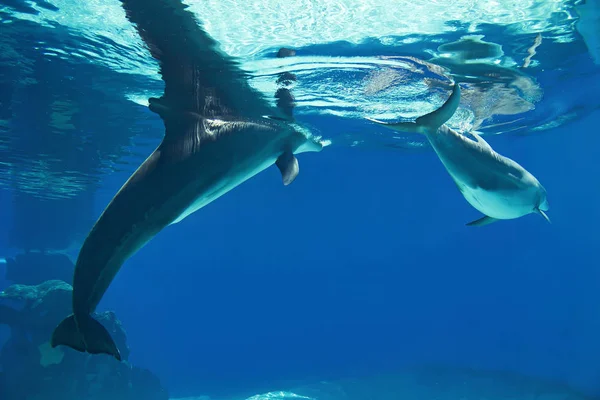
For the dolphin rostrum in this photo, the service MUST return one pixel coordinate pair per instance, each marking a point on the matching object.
(219, 132)
(493, 184)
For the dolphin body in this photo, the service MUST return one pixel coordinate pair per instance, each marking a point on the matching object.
(495, 185)
(219, 132)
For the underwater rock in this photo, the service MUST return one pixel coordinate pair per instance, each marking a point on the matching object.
(34, 268)
(36, 294)
(50, 355)
(32, 369)
(39, 309)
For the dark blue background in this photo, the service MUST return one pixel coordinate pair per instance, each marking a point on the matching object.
(364, 264)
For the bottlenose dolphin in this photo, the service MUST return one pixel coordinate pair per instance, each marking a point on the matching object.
(219, 132)
(493, 184)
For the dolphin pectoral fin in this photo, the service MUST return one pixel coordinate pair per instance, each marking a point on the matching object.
(84, 335)
(288, 166)
(543, 214)
(485, 220)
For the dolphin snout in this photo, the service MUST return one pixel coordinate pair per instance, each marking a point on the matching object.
(544, 205)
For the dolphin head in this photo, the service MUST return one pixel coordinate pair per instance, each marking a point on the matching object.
(542, 198)
(544, 205)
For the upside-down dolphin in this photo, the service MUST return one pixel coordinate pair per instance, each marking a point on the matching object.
(219, 132)
(493, 184)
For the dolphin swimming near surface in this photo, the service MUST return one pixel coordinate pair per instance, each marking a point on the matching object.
(219, 132)
(493, 184)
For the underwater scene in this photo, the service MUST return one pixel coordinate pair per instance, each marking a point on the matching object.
(299, 200)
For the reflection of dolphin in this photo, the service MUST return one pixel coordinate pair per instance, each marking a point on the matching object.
(493, 184)
(217, 136)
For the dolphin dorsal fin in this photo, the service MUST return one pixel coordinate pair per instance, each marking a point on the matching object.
(429, 122)
(432, 121)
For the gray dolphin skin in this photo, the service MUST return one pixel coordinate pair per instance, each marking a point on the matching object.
(493, 184)
(219, 132)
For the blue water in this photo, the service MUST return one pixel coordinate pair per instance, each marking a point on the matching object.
(362, 266)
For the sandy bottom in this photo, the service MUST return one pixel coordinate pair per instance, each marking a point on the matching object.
(425, 384)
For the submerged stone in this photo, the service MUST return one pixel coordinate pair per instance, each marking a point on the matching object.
(32, 369)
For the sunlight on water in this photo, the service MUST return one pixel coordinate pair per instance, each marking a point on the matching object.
(511, 59)
(396, 88)
(278, 395)
(304, 22)
(283, 395)
(336, 86)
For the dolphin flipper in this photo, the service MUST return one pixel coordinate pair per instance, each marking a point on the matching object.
(84, 335)
(288, 166)
(485, 220)
(543, 214)
(429, 122)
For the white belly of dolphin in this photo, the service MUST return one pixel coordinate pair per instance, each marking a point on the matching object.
(496, 205)
(227, 184)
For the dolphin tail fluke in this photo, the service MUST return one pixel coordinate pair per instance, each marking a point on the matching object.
(84, 335)
(67, 334)
(429, 122)
(543, 214)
